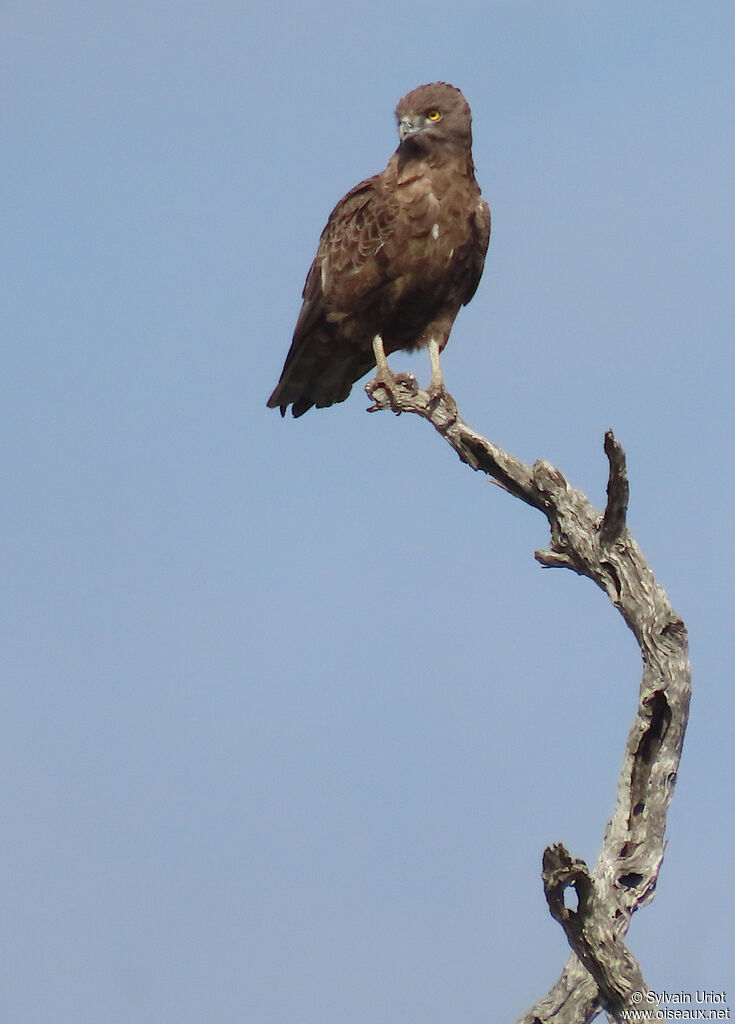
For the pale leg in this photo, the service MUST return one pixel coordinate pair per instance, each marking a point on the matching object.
(381, 363)
(436, 384)
(385, 378)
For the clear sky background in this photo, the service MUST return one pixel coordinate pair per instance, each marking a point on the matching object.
(289, 711)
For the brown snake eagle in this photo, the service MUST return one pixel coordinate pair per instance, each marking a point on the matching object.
(401, 253)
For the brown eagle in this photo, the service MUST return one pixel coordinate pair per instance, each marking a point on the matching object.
(401, 252)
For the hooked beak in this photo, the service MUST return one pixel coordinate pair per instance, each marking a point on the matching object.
(407, 128)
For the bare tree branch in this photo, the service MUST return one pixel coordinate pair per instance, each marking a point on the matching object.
(589, 932)
(600, 975)
(618, 492)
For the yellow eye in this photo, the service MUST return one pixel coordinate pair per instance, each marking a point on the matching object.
(434, 115)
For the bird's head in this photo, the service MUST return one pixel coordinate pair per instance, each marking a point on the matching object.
(436, 113)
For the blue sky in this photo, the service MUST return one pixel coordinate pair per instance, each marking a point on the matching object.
(289, 712)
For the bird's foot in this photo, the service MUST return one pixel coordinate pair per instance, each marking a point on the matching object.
(436, 390)
(438, 393)
(392, 385)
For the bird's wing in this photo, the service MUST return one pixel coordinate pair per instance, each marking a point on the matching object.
(346, 268)
(482, 240)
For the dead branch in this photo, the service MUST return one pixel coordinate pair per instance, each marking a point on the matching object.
(600, 975)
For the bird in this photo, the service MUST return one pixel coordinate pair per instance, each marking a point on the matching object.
(400, 254)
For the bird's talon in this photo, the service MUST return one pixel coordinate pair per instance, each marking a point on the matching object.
(392, 384)
(438, 393)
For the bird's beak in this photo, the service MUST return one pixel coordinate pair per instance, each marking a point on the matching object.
(407, 128)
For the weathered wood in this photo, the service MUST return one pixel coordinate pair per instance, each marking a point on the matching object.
(600, 974)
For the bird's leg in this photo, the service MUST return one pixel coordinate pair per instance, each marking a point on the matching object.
(381, 362)
(436, 384)
(436, 390)
(385, 378)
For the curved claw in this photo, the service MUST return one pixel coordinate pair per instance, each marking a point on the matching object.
(387, 380)
(392, 384)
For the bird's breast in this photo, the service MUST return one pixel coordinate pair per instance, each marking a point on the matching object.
(432, 226)
(420, 208)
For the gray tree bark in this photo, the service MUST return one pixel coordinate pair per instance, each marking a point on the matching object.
(600, 975)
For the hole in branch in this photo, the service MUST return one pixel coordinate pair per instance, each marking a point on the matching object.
(632, 880)
(612, 573)
(656, 709)
(657, 729)
(675, 629)
(571, 899)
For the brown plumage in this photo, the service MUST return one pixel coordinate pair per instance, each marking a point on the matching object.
(401, 253)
